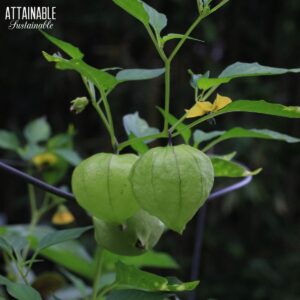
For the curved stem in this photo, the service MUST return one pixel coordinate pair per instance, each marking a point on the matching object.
(99, 262)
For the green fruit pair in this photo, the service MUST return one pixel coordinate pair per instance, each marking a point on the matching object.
(169, 183)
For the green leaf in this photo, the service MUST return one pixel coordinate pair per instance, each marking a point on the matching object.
(200, 136)
(37, 131)
(139, 146)
(139, 295)
(172, 36)
(157, 20)
(68, 48)
(139, 74)
(262, 107)
(137, 126)
(69, 155)
(226, 168)
(129, 277)
(185, 132)
(240, 69)
(8, 140)
(149, 259)
(207, 83)
(239, 132)
(61, 236)
(134, 8)
(102, 80)
(20, 291)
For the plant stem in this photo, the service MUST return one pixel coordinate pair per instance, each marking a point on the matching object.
(32, 200)
(99, 262)
(185, 37)
(167, 93)
(158, 48)
(114, 141)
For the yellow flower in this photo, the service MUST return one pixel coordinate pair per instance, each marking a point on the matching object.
(44, 159)
(62, 216)
(203, 107)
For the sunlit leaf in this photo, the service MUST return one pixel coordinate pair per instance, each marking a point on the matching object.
(102, 80)
(226, 168)
(134, 8)
(68, 48)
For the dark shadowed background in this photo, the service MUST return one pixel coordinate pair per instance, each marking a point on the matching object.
(252, 245)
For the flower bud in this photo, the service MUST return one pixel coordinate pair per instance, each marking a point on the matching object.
(79, 104)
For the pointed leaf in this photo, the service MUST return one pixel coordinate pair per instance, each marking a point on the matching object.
(37, 131)
(102, 80)
(240, 69)
(173, 36)
(139, 74)
(68, 48)
(8, 140)
(61, 236)
(157, 20)
(226, 168)
(134, 8)
(239, 132)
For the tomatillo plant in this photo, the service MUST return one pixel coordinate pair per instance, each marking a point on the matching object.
(134, 198)
(128, 194)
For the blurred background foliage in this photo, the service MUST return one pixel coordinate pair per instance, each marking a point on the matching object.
(252, 245)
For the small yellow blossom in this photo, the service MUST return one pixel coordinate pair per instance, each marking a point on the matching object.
(203, 107)
(44, 159)
(62, 216)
